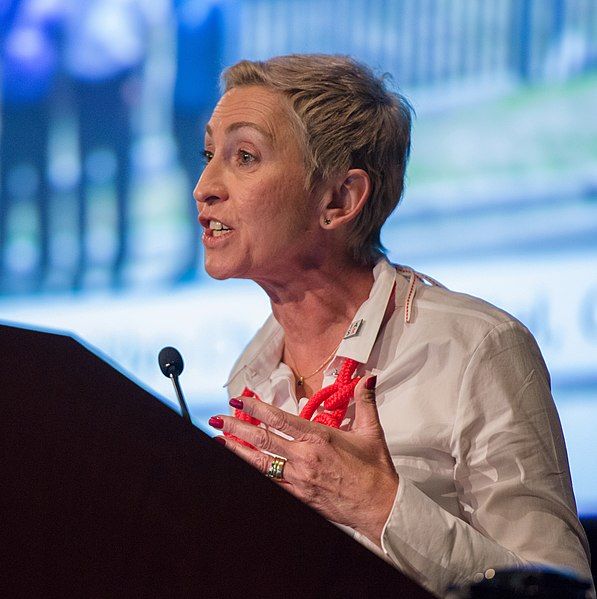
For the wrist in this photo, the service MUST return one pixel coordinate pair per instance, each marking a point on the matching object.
(383, 501)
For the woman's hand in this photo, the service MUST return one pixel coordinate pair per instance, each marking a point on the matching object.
(347, 476)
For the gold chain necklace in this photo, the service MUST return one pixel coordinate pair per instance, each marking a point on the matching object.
(300, 378)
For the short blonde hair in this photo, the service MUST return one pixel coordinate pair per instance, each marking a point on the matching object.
(346, 118)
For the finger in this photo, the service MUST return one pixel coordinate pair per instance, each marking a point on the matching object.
(289, 424)
(258, 460)
(256, 436)
(366, 416)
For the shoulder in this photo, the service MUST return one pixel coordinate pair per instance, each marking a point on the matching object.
(469, 334)
(465, 318)
(497, 363)
(468, 309)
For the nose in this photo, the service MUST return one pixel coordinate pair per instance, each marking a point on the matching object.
(210, 187)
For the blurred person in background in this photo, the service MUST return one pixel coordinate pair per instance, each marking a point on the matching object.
(104, 54)
(199, 41)
(29, 64)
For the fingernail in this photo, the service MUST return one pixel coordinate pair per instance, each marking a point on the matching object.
(216, 422)
(220, 440)
(236, 403)
(371, 382)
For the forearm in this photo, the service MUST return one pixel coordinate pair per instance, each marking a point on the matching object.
(435, 547)
(439, 549)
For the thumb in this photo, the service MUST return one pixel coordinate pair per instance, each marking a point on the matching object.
(366, 417)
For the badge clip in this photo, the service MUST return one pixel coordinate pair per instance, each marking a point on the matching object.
(353, 329)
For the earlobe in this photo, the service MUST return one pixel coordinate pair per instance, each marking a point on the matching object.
(347, 199)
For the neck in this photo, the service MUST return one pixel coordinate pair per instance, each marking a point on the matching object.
(314, 306)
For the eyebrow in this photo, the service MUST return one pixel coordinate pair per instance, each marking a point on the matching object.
(240, 125)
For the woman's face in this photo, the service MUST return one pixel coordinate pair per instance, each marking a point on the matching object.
(258, 220)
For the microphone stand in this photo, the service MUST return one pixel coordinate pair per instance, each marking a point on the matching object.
(183, 404)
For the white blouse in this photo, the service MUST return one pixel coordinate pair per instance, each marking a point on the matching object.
(465, 403)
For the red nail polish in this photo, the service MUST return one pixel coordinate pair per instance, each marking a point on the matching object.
(236, 403)
(220, 440)
(216, 422)
(371, 382)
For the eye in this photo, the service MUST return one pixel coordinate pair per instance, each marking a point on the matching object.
(245, 157)
(207, 156)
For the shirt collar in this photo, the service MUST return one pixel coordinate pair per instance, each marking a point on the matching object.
(369, 316)
(262, 354)
(264, 351)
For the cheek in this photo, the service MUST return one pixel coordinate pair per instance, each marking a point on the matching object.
(271, 205)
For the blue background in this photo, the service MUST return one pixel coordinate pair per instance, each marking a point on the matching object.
(102, 106)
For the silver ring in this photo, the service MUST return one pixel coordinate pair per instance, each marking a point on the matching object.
(276, 469)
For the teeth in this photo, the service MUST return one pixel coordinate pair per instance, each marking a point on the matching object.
(220, 232)
(216, 225)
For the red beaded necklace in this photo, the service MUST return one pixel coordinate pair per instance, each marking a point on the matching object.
(334, 397)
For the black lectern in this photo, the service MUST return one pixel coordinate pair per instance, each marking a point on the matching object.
(107, 492)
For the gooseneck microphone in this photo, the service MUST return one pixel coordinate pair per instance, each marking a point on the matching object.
(171, 365)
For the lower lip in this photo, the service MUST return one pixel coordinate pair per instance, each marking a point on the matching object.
(209, 241)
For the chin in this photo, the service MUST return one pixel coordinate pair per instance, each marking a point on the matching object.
(219, 274)
(222, 270)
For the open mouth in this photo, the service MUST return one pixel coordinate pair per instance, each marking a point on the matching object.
(218, 228)
(215, 228)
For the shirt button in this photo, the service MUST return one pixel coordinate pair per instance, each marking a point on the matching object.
(478, 577)
(490, 573)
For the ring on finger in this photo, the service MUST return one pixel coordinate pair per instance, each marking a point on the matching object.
(276, 469)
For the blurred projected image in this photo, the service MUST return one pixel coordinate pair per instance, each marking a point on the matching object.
(103, 108)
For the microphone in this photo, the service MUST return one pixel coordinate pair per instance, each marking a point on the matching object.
(171, 365)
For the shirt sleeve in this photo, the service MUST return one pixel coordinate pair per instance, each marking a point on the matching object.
(511, 476)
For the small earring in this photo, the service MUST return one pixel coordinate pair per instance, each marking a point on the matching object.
(327, 221)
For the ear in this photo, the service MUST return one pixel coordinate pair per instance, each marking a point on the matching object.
(344, 201)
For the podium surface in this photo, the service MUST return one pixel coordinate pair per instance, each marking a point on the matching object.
(106, 491)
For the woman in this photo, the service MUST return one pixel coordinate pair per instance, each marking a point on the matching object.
(450, 459)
